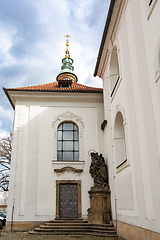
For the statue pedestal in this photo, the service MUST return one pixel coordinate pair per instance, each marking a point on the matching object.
(100, 206)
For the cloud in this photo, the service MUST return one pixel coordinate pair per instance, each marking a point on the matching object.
(3, 132)
(32, 42)
(6, 120)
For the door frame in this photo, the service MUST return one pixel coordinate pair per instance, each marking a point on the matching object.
(58, 182)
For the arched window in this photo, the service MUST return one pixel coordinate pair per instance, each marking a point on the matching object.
(68, 142)
(119, 139)
(114, 70)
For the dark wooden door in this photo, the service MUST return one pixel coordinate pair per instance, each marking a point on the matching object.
(68, 200)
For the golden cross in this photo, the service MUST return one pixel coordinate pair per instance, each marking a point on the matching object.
(67, 44)
(67, 36)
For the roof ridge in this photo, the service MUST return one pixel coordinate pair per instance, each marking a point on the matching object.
(54, 87)
(88, 86)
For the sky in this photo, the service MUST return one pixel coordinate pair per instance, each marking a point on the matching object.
(32, 44)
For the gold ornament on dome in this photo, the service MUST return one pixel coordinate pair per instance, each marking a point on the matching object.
(67, 44)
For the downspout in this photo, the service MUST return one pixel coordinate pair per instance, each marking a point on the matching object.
(12, 218)
(15, 170)
(116, 213)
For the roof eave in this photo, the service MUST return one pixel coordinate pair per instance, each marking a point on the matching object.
(34, 90)
(104, 36)
(9, 98)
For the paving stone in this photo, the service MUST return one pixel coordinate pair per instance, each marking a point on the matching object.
(27, 236)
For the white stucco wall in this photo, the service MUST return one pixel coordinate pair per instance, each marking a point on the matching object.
(33, 180)
(134, 185)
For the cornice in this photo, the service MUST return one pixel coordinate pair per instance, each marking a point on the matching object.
(61, 170)
(24, 97)
(109, 34)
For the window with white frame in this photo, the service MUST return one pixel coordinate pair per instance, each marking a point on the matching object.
(119, 141)
(67, 142)
(114, 71)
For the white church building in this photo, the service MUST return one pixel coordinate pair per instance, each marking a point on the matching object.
(56, 125)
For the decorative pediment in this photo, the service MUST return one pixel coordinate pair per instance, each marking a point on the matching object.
(68, 116)
(61, 170)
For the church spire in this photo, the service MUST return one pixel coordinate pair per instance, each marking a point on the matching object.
(67, 69)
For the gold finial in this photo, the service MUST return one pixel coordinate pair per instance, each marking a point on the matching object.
(67, 44)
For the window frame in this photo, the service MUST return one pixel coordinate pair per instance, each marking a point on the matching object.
(62, 140)
(118, 136)
(114, 71)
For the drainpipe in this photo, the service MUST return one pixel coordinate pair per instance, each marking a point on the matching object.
(18, 120)
(116, 212)
(12, 218)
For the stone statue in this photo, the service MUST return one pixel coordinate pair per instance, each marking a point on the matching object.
(98, 171)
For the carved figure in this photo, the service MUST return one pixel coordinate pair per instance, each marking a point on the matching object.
(98, 171)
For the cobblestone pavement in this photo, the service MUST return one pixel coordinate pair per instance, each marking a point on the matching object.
(27, 236)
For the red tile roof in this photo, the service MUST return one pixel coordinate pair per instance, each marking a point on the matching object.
(54, 87)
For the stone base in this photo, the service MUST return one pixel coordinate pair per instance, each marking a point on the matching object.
(22, 225)
(131, 232)
(100, 206)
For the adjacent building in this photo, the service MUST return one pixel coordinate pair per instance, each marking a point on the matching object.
(129, 64)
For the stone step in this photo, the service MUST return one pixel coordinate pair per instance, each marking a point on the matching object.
(76, 224)
(64, 220)
(74, 227)
(108, 228)
(71, 229)
(75, 233)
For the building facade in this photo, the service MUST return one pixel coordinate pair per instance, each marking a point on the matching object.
(129, 64)
(57, 124)
(55, 127)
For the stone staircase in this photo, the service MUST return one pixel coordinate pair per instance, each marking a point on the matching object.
(74, 227)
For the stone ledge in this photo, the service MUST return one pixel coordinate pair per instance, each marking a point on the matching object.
(131, 232)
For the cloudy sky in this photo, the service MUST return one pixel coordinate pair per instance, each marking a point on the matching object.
(32, 43)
